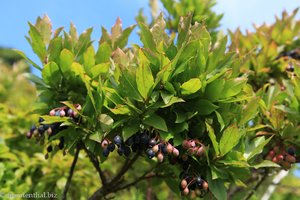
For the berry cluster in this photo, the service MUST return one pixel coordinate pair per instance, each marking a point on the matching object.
(38, 130)
(153, 146)
(193, 185)
(65, 111)
(282, 156)
(194, 147)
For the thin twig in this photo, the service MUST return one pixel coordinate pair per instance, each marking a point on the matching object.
(96, 164)
(114, 183)
(71, 172)
(263, 178)
(144, 178)
(128, 163)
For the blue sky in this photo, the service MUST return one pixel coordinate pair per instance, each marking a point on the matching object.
(15, 14)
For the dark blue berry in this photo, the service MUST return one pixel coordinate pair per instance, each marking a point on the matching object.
(145, 138)
(137, 138)
(129, 141)
(41, 120)
(46, 126)
(152, 142)
(32, 129)
(134, 147)
(105, 152)
(61, 143)
(127, 151)
(41, 130)
(150, 153)
(291, 151)
(118, 140)
(49, 148)
(120, 150)
(163, 148)
(199, 182)
(111, 147)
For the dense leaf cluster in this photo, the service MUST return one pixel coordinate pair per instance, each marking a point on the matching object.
(224, 110)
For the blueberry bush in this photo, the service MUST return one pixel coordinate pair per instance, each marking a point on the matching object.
(183, 110)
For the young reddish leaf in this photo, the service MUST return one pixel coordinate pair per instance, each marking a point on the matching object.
(44, 26)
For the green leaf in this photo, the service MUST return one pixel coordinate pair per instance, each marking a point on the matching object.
(99, 69)
(214, 90)
(233, 87)
(106, 122)
(123, 39)
(203, 106)
(217, 54)
(172, 101)
(156, 121)
(120, 110)
(130, 130)
(220, 120)
(191, 86)
(217, 187)
(22, 54)
(265, 163)
(66, 59)
(103, 53)
(51, 74)
(128, 85)
(37, 80)
(79, 70)
(83, 43)
(52, 119)
(212, 136)
(54, 49)
(230, 138)
(249, 111)
(147, 37)
(144, 78)
(183, 29)
(235, 163)
(258, 148)
(89, 58)
(37, 42)
(96, 136)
